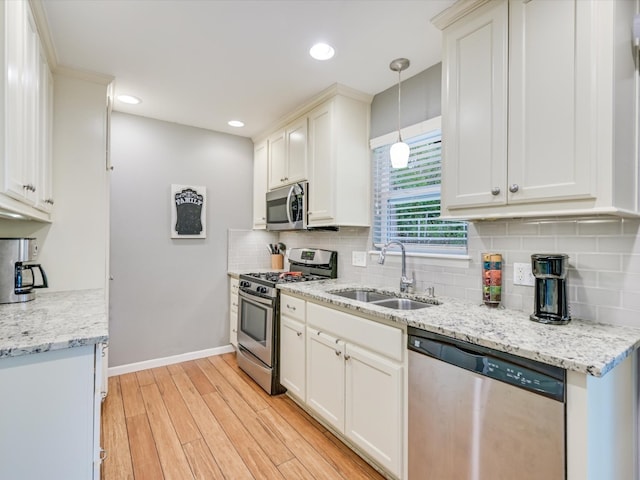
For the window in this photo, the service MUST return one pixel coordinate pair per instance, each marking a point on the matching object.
(407, 200)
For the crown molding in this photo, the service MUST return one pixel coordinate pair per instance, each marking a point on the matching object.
(456, 11)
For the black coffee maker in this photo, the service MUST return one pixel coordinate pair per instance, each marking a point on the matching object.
(550, 302)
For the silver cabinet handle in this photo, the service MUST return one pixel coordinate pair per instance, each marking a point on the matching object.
(290, 307)
(495, 191)
(347, 357)
(513, 188)
(299, 334)
(338, 353)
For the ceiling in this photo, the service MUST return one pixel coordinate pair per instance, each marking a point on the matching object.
(205, 62)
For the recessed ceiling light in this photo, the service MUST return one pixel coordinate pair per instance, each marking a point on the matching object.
(130, 99)
(322, 51)
(235, 123)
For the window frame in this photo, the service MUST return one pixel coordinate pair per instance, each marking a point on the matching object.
(439, 250)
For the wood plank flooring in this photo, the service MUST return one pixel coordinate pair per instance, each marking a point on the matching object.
(206, 419)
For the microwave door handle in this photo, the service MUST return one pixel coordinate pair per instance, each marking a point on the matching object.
(289, 204)
(45, 283)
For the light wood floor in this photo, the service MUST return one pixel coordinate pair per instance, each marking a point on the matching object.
(206, 419)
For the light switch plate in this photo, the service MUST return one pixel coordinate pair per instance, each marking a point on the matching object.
(522, 274)
(359, 259)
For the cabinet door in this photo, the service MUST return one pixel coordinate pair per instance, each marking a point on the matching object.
(233, 312)
(260, 159)
(97, 408)
(292, 356)
(296, 134)
(475, 102)
(44, 191)
(14, 94)
(325, 376)
(321, 166)
(374, 391)
(49, 415)
(552, 151)
(277, 163)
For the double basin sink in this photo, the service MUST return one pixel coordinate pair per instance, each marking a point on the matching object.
(383, 299)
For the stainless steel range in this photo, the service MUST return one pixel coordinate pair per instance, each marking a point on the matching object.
(259, 312)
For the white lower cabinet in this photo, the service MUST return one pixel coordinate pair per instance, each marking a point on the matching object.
(326, 374)
(293, 346)
(233, 311)
(355, 372)
(50, 414)
(374, 413)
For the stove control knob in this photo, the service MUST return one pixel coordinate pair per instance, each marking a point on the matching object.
(245, 283)
(262, 289)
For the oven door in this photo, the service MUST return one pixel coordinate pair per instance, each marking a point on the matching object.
(255, 326)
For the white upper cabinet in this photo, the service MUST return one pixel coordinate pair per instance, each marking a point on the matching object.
(288, 155)
(260, 158)
(339, 163)
(538, 109)
(25, 139)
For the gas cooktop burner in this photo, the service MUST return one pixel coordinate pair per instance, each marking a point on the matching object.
(284, 277)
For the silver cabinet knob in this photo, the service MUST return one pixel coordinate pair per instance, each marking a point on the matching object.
(299, 334)
(495, 191)
(513, 188)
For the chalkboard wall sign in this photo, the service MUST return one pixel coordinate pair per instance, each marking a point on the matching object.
(188, 211)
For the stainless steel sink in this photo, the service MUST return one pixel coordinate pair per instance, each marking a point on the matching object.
(386, 300)
(402, 304)
(363, 295)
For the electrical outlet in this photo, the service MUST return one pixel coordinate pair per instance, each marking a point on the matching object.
(359, 259)
(522, 274)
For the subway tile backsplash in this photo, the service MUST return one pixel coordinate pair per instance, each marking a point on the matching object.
(604, 261)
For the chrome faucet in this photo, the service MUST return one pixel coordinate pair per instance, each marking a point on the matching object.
(405, 282)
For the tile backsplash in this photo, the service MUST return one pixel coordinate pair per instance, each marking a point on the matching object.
(604, 261)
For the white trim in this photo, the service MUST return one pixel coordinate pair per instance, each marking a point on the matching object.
(407, 132)
(436, 259)
(161, 362)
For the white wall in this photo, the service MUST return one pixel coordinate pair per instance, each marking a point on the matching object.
(170, 296)
(73, 248)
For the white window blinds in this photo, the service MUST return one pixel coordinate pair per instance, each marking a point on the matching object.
(407, 200)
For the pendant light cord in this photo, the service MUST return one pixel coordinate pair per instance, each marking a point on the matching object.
(399, 101)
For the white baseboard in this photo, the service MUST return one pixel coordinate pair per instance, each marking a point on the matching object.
(161, 362)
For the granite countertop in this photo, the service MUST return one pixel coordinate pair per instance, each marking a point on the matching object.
(581, 346)
(53, 321)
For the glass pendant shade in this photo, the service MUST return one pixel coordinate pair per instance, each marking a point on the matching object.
(399, 154)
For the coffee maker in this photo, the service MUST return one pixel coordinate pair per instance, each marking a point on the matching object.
(17, 273)
(550, 302)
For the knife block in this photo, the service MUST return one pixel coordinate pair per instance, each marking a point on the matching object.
(277, 261)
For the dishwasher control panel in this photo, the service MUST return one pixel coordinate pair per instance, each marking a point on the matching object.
(521, 372)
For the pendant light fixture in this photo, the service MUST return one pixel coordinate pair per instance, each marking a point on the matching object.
(399, 151)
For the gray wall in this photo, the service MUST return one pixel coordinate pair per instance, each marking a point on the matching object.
(169, 296)
(420, 101)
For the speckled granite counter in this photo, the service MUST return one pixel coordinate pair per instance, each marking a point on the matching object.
(581, 346)
(53, 321)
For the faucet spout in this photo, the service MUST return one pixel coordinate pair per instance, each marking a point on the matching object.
(405, 282)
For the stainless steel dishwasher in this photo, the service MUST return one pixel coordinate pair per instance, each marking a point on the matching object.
(479, 414)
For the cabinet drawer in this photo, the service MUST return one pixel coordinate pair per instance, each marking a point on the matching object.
(374, 336)
(292, 307)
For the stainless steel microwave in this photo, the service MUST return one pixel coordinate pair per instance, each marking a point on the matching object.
(287, 207)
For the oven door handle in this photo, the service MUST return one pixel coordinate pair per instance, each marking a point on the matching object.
(255, 299)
